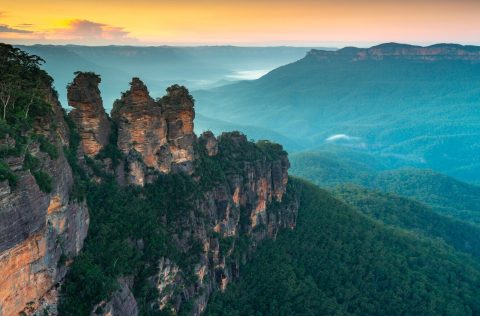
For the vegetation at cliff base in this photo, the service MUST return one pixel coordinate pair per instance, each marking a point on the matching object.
(340, 262)
(128, 234)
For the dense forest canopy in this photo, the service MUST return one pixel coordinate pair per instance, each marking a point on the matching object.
(340, 262)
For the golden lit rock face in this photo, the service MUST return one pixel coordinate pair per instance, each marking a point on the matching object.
(141, 126)
(33, 222)
(159, 135)
(55, 204)
(88, 113)
(19, 282)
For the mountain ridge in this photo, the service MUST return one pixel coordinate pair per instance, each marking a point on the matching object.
(433, 52)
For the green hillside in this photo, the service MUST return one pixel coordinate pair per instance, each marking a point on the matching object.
(444, 194)
(407, 214)
(340, 262)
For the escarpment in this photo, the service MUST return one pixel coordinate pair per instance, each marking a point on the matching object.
(233, 195)
(438, 52)
(172, 217)
(42, 228)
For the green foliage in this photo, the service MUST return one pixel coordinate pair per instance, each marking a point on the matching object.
(7, 174)
(84, 287)
(44, 181)
(128, 233)
(22, 86)
(272, 151)
(49, 148)
(31, 162)
(413, 216)
(340, 262)
(111, 150)
(444, 194)
(207, 169)
(80, 180)
(235, 152)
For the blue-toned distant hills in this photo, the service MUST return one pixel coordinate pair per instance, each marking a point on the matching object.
(160, 66)
(409, 105)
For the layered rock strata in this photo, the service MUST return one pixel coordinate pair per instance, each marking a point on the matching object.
(39, 232)
(153, 135)
(88, 113)
(244, 203)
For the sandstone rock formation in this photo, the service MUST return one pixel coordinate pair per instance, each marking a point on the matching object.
(177, 106)
(88, 112)
(39, 232)
(246, 202)
(211, 143)
(248, 206)
(154, 135)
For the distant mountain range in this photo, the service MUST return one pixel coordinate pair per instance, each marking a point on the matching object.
(415, 106)
(159, 67)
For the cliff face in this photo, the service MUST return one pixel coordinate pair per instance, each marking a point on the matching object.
(231, 219)
(239, 201)
(154, 135)
(237, 197)
(39, 232)
(88, 113)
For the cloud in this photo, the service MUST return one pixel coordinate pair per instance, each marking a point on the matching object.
(85, 30)
(25, 25)
(338, 137)
(78, 31)
(346, 140)
(7, 29)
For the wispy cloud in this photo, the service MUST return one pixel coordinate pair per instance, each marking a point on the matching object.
(7, 29)
(76, 31)
(89, 30)
(27, 25)
(337, 137)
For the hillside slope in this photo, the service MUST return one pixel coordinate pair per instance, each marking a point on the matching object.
(418, 105)
(444, 194)
(410, 215)
(339, 262)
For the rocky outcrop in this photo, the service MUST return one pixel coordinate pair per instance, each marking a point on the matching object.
(232, 216)
(154, 136)
(211, 143)
(177, 106)
(240, 199)
(88, 113)
(39, 232)
(402, 51)
(231, 219)
(122, 303)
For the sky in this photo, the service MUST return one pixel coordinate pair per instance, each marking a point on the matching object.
(239, 22)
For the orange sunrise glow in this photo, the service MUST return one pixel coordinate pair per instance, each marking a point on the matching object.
(261, 22)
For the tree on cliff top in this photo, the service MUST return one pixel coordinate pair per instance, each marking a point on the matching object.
(22, 83)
